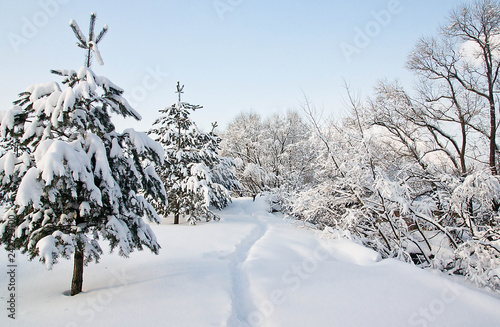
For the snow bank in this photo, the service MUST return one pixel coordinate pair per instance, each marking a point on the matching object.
(250, 269)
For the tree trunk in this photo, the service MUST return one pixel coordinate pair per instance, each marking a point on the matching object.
(463, 164)
(176, 219)
(493, 134)
(77, 283)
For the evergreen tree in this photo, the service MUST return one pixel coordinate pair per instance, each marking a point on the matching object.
(68, 178)
(223, 171)
(193, 172)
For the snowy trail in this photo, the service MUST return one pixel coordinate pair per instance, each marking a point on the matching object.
(294, 278)
(241, 296)
(250, 269)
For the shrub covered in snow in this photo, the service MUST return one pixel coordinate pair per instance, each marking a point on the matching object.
(381, 191)
(272, 155)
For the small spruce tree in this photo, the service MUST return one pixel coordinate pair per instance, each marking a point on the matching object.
(68, 178)
(194, 175)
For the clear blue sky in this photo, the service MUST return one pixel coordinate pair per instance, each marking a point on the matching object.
(232, 55)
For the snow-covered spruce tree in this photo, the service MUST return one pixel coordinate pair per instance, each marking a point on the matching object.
(222, 169)
(194, 175)
(68, 178)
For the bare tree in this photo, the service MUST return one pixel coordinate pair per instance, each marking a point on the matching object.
(463, 66)
(421, 127)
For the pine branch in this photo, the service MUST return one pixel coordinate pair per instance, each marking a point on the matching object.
(101, 34)
(93, 17)
(78, 33)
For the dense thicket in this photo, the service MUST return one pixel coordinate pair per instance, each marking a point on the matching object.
(413, 175)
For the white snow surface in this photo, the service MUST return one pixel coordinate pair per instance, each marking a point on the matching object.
(97, 54)
(250, 269)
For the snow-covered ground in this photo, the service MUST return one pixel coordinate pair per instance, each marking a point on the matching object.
(250, 269)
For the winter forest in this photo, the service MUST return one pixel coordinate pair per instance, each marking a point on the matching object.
(409, 177)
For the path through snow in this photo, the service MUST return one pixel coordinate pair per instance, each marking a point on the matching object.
(241, 297)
